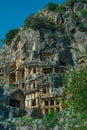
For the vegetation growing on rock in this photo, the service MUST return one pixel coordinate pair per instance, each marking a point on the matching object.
(77, 91)
(56, 36)
(59, 9)
(37, 22)
(84, 13)
(10, 35)
(71, 2)
(55, 7)
(52, 6)
(75, 17)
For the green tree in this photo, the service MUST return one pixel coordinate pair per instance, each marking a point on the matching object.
(75, 17)
(84, 13)
(60, 9)
(50, 119)
(36, 22)
(52, 6)
(76, 91)
(10, 35)
(33, 22)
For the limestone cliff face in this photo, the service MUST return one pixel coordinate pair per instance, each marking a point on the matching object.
(72, 32)
(37, 55)
(65, 44)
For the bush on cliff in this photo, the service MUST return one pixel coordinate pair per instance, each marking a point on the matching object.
(76, 92)
(10, 35)
(36, 22)
(71, 2)
(84, 13)
(52, 6)
(55, 7)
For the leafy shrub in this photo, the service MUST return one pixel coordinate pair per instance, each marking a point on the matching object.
(60, 9)
(33, 22)
(50, 20)
(78, 91)
(71, 2)
(55, 26)
(75, 97)
(55, 7)
(13, 86)
(12, 124)
(81, 26)
(50, 118)
(52, 6)
(84, 13)
(75, 17)
(78, 20)
(1, 78)
(83, 1)
(37, 22)
(10, 35)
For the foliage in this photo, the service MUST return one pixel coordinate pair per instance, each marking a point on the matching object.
(25, 120)
(10, 35)
(71, 2)
(1, 78)
(55, 7)
(52, 6)
(13, 86)
(81, 26)
(33, 22)
(59, 9)
(37, 22)
(75, 49)
(56, 26)
(76, 92)
(75, 17)
(50, 20)
(67, 118)
(12, 124)
(50, 117)
(75, 84)
(83, 1)
(84, 13)
(78, 20)
(72, 37)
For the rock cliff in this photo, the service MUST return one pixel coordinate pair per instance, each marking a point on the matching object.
(50, 43)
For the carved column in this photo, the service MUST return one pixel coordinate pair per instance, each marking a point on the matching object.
(53, 69)
(26, 73)
(36, 101)
(26, 105)
(29, 103)
(16, 75)
(60, 104)
(43, 108)
(54, 105)
(48, 106)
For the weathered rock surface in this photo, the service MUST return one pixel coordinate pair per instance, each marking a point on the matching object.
(65, 49)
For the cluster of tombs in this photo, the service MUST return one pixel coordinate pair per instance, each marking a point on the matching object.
(35, 84)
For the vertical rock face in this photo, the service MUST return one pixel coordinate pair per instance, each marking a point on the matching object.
(38, 55)
(78, 6)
